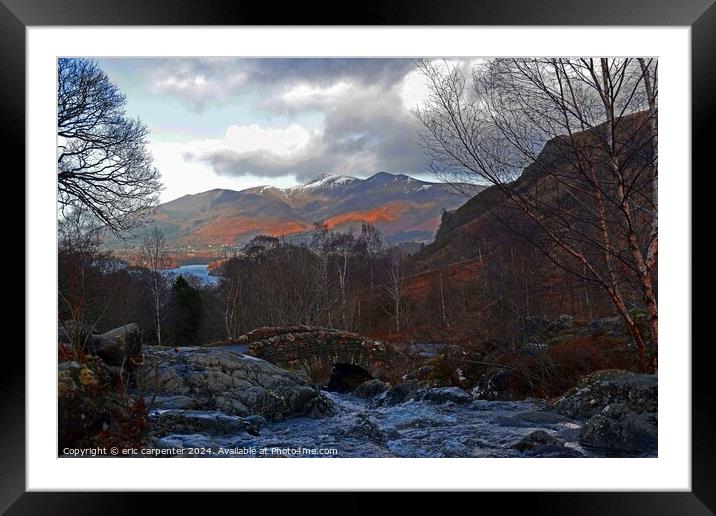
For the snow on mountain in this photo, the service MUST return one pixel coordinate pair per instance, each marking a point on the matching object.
(325, 181)
(401, 207)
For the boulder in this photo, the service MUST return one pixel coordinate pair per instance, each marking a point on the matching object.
(543, 444)
(619, 431)
(236, 384)
(493, 386)
(419, 391)
(621, 412)
(115, 346)
(637, 392)
(442, 395)
(398, 394)
(370, 389)
(535, 440)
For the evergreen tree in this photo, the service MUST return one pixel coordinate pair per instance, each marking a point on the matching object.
(186, 304)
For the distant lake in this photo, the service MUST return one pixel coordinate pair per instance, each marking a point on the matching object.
(201, 271)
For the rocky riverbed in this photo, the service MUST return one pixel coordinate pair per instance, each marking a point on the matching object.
(230, 404)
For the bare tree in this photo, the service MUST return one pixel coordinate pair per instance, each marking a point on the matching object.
(597, 118)
(83, 294)
(394, 287)
(341, 247)
(232, 281)
(103, 164)
(319, 245)
(155, 257)
(371, 238)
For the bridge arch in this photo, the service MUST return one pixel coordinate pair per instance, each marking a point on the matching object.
(316, 351)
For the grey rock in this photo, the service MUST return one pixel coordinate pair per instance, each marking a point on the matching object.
(237, 384)
(370, 389)
(443, 395)
(492, 386)
(169, 422)
(398, 394)
(114, 347)
(535, 440)
(621, 433)
(637, 392)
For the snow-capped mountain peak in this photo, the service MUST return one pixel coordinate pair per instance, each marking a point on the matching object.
(326, 181)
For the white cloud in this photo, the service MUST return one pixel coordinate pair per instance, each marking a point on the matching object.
(308, 95)
(413, 90)
(252, 138)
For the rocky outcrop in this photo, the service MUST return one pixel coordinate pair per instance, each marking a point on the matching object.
(97, 405)
(619, 431)
(84, 404)
(621, 412)
(235, 384)
(637, 392)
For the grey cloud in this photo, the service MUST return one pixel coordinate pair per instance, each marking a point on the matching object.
(365, 71)
(359, 139)
(227, 77)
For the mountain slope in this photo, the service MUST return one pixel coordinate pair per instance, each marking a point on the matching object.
(403, 208)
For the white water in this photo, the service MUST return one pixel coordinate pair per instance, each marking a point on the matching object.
(411, 429)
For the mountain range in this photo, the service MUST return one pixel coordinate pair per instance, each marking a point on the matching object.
(403, 208)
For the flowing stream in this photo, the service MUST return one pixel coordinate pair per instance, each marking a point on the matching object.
(409, 429)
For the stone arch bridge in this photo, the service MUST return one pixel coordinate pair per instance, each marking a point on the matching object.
(318, 350)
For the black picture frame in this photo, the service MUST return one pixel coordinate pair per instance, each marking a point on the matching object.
(700, 15)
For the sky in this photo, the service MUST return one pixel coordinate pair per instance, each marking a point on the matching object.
(238, 123)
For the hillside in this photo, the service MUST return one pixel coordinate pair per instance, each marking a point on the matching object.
(484, 259)
(489, 217)
(404, 209)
